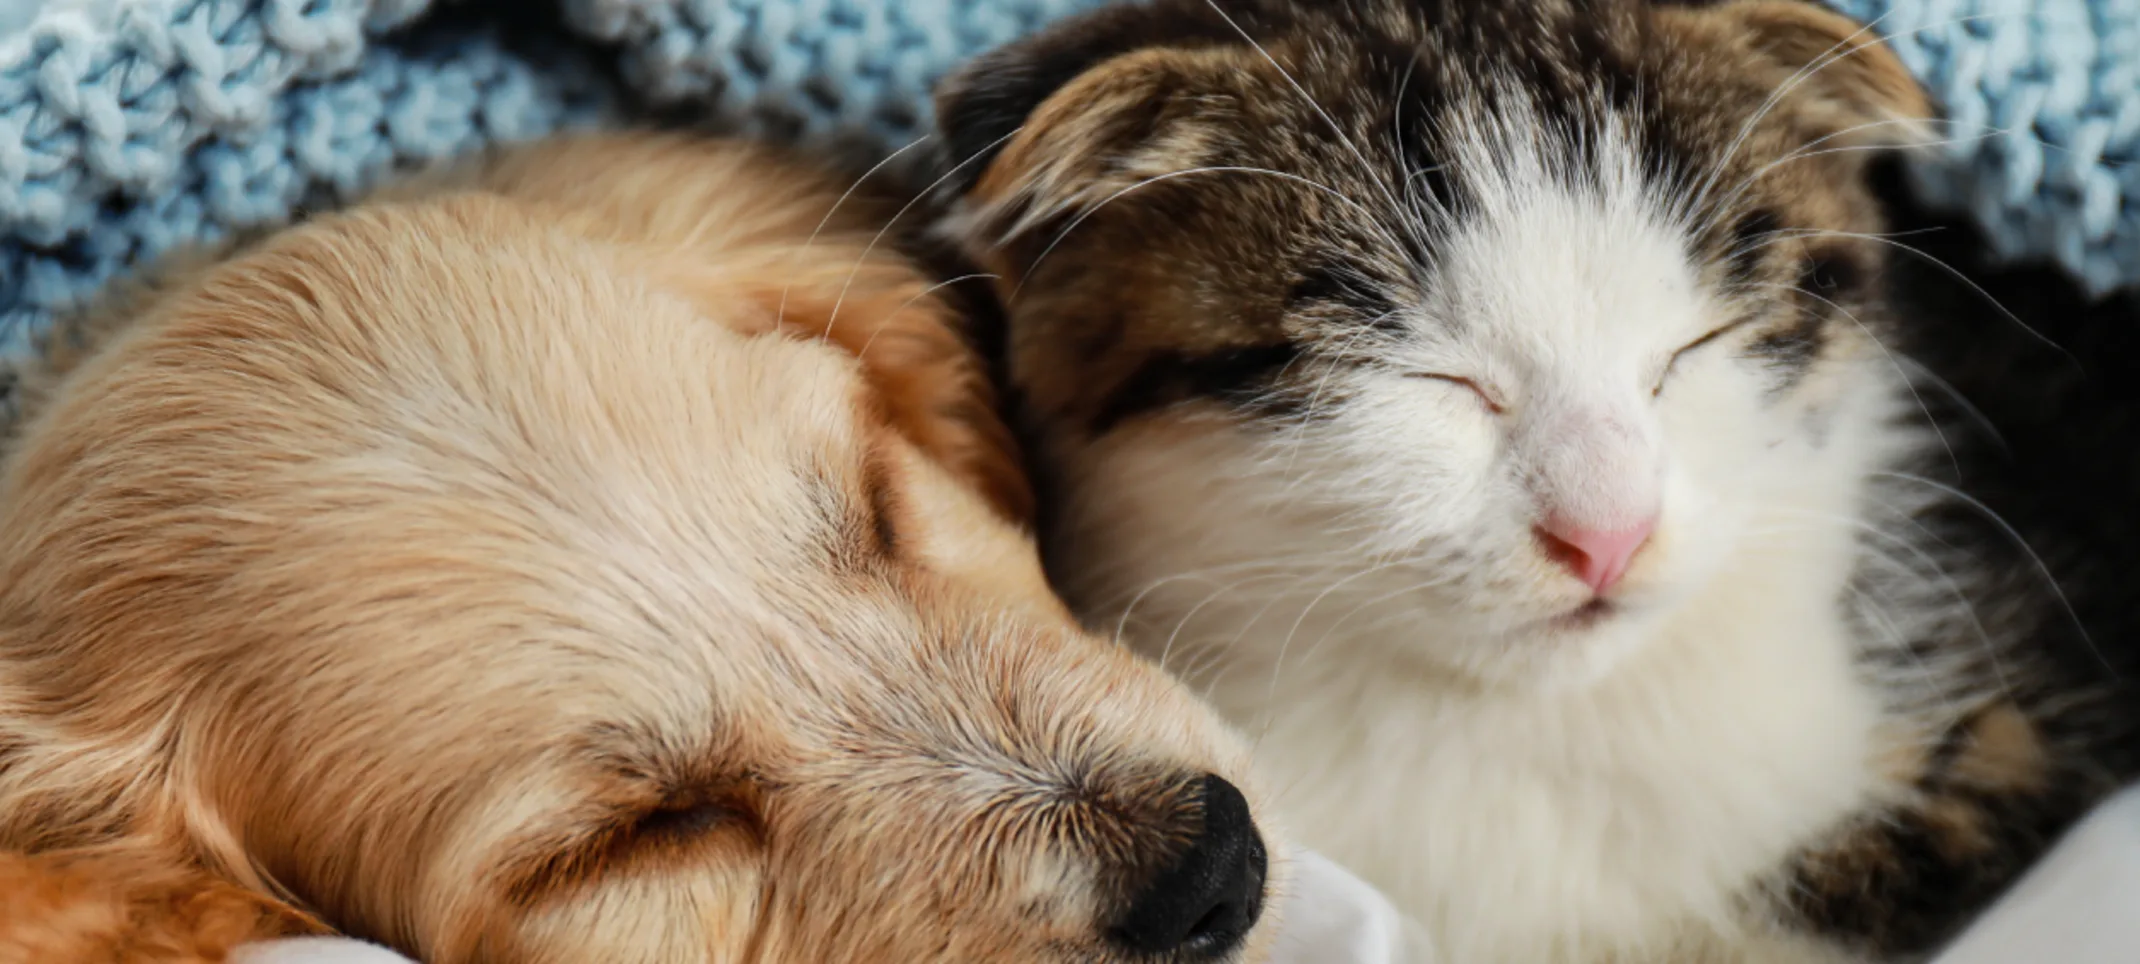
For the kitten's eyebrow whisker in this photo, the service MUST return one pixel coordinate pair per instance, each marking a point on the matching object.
(1958, 275)
(1804, 152)
(1930, 420)
(1414, 206)
(1832, 56)
(1087, 214)
(855, 270)
(1367, 168)
(1428, 209)
(1822, 62)
(780, 317)
(1767, 238)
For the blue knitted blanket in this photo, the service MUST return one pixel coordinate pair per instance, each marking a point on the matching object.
(128, 127)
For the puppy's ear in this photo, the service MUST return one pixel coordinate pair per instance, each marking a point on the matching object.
(1831, 72)
(1066, 118)
(909, 335)
(932, 383)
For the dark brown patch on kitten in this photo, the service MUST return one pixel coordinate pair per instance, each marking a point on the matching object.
(1166, 379)
(1984, 803)
(1750, 236)
(1159, 197)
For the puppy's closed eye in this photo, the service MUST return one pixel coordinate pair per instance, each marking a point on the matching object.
(685, 817)
(639, 821)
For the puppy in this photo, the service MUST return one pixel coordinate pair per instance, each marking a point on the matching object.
(609, 554)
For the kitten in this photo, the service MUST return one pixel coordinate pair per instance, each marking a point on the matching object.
(1493, 406)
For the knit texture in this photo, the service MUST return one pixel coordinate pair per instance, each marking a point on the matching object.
(2042, 140)
(129, 127)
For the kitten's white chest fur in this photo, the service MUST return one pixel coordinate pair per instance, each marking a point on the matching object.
(1522, 828)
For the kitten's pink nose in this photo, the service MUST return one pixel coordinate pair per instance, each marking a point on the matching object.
(1598, 557)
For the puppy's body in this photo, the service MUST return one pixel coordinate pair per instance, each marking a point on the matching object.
(1491, 406)
(610, 557)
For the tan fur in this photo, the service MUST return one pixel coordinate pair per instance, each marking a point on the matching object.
(113, 910)
(2003, 751)
(511, 573)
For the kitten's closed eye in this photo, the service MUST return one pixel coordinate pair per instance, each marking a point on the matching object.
(1485, 397)
(1696, 345)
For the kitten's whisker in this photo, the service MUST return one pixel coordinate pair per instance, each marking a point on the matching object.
(1303, 617)
(930, 291)
(1827, 59)
(1330, 369)
(1083, 216)
(1932, 567)
(1367, 168)
(1958, 275)
(1944, 688)
(780, 316)
(2042, 569)
(1776, 96)
(1969, 409)
(926, 192)
(1187, 617)
(1405, 590)
(1804, 152)
(1931, 420)
(1288, 565)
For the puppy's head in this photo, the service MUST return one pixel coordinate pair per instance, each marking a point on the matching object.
(1517, 319)
(502, 578)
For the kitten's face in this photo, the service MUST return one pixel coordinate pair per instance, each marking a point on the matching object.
(1517, 320)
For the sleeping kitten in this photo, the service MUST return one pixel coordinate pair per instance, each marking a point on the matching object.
(1491, 404)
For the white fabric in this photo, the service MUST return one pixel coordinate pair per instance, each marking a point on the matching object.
(1331, 918)
(315, 950)
(1334, 918)
(2080, 906)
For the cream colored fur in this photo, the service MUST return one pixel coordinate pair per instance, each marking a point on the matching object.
(609, 555)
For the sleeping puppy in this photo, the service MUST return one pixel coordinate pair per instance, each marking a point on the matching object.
(608, 555)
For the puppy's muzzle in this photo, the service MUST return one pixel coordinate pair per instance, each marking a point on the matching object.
(1202, 905)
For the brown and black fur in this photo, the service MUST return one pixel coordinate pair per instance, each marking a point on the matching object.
(2045, 422)
(1175, 86)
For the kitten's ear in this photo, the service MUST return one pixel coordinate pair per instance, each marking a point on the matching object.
(1067, 117)
(1831, 71)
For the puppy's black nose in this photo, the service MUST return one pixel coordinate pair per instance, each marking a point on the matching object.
(1203, 905)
